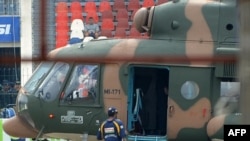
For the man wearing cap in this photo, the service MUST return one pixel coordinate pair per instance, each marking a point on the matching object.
(112, 129)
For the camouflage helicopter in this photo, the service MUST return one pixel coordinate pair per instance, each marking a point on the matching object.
(180, 84)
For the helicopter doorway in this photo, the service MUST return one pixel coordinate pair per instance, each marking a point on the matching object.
(148, 97)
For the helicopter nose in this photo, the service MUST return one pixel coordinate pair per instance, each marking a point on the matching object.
(16, 127)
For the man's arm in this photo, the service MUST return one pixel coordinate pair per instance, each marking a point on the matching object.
(123, 133)
(99, 136)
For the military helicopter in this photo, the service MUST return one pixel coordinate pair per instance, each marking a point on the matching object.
(180, 84)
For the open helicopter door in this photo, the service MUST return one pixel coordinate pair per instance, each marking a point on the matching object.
(147, 102)
(188, 101)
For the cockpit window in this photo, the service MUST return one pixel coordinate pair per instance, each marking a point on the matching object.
(38, 75)
(51, 86)
(82, 85)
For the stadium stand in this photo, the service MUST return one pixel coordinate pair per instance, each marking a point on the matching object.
(110, 15)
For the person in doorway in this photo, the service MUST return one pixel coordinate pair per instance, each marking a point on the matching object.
(112, 129)
(91, 29)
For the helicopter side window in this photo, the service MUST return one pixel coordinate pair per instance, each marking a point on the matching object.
(82, 85)
(53, 82)
(229, 98)
(37, 77)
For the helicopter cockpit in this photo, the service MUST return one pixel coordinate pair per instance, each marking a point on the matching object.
(49, 81)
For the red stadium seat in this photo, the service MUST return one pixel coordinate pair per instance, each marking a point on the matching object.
(62, 7)
(62, 17)
(133, 5)
(148, 3)
(134, 33)
(62, 26)
(93, 15)
(106, 32)
(75, 6)
(107, 15)
(104, 6)
(90, 6)
(62, 38)
(107, 24)
(120, 33)
(119, 4)
(122, 23)
(122, 14)
(76, 15)
(61, 43)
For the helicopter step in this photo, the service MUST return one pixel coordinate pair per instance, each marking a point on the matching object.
(146, 138)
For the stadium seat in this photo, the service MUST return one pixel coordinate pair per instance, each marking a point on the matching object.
(62, 7)
(122, 23)
(161, 2)
(62, 26)
(93, 15)
(104, 6)
(62, 34)
(134, 33)
(121, 14)
(119, 4)
(107, 24)
(107, 15)
(62, 37)
(120, 33)
(148, 3)
(61, 43)
(133, 5)
(62, 17)
(90, 6)
(76, 15)
(75, 6)
(107, 33)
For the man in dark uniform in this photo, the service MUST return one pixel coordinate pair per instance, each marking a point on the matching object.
(112, 129)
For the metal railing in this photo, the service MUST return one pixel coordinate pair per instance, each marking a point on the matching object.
(7, 99)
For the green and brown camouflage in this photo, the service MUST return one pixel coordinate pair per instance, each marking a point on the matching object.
(192, 49)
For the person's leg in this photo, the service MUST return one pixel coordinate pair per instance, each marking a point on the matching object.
(92, 35)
